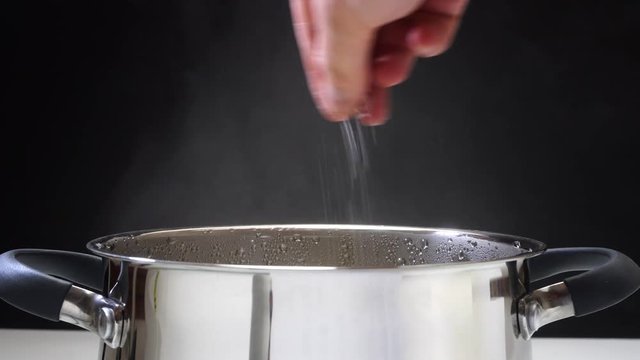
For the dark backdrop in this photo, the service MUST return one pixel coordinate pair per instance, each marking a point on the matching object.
(123, 115)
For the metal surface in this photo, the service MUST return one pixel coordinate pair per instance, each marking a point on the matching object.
(313, 247)
(437, 313)
(544, 306)
(318, 292)
(96, 313)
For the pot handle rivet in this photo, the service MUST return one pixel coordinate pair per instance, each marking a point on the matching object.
(101, 315)
(544, 306)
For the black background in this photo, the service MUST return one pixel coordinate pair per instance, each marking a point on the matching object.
(125, 115)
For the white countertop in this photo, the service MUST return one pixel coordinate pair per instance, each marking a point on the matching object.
(81, 345)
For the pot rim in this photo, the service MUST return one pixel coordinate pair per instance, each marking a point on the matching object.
(535, 247)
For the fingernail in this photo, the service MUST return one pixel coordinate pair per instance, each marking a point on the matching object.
(382, 59)
(365, 116)
(429, 49)
(417, 44)
(363, 109)
(370, 121)
(334, 103)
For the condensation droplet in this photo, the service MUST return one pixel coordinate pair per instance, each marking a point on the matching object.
(240, 252)
(516, 244)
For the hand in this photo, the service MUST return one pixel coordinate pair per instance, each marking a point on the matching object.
(353, 51)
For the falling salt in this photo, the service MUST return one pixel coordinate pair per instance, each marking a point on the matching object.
(344, 175)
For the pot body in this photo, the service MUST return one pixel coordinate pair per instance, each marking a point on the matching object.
(438, 313)
(314, 292)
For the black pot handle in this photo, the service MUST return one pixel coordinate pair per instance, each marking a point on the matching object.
(608, 277)
(42, 282)
(34, 280)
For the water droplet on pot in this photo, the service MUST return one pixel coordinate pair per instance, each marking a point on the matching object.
(516, 244)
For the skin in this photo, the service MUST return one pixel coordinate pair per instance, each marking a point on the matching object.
(354, 51)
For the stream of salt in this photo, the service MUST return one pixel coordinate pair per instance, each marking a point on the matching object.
(344, 176)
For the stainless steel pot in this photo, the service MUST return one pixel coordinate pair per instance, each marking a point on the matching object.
(314, 292)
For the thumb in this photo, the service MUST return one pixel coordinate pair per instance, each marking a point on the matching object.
(345, 33)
